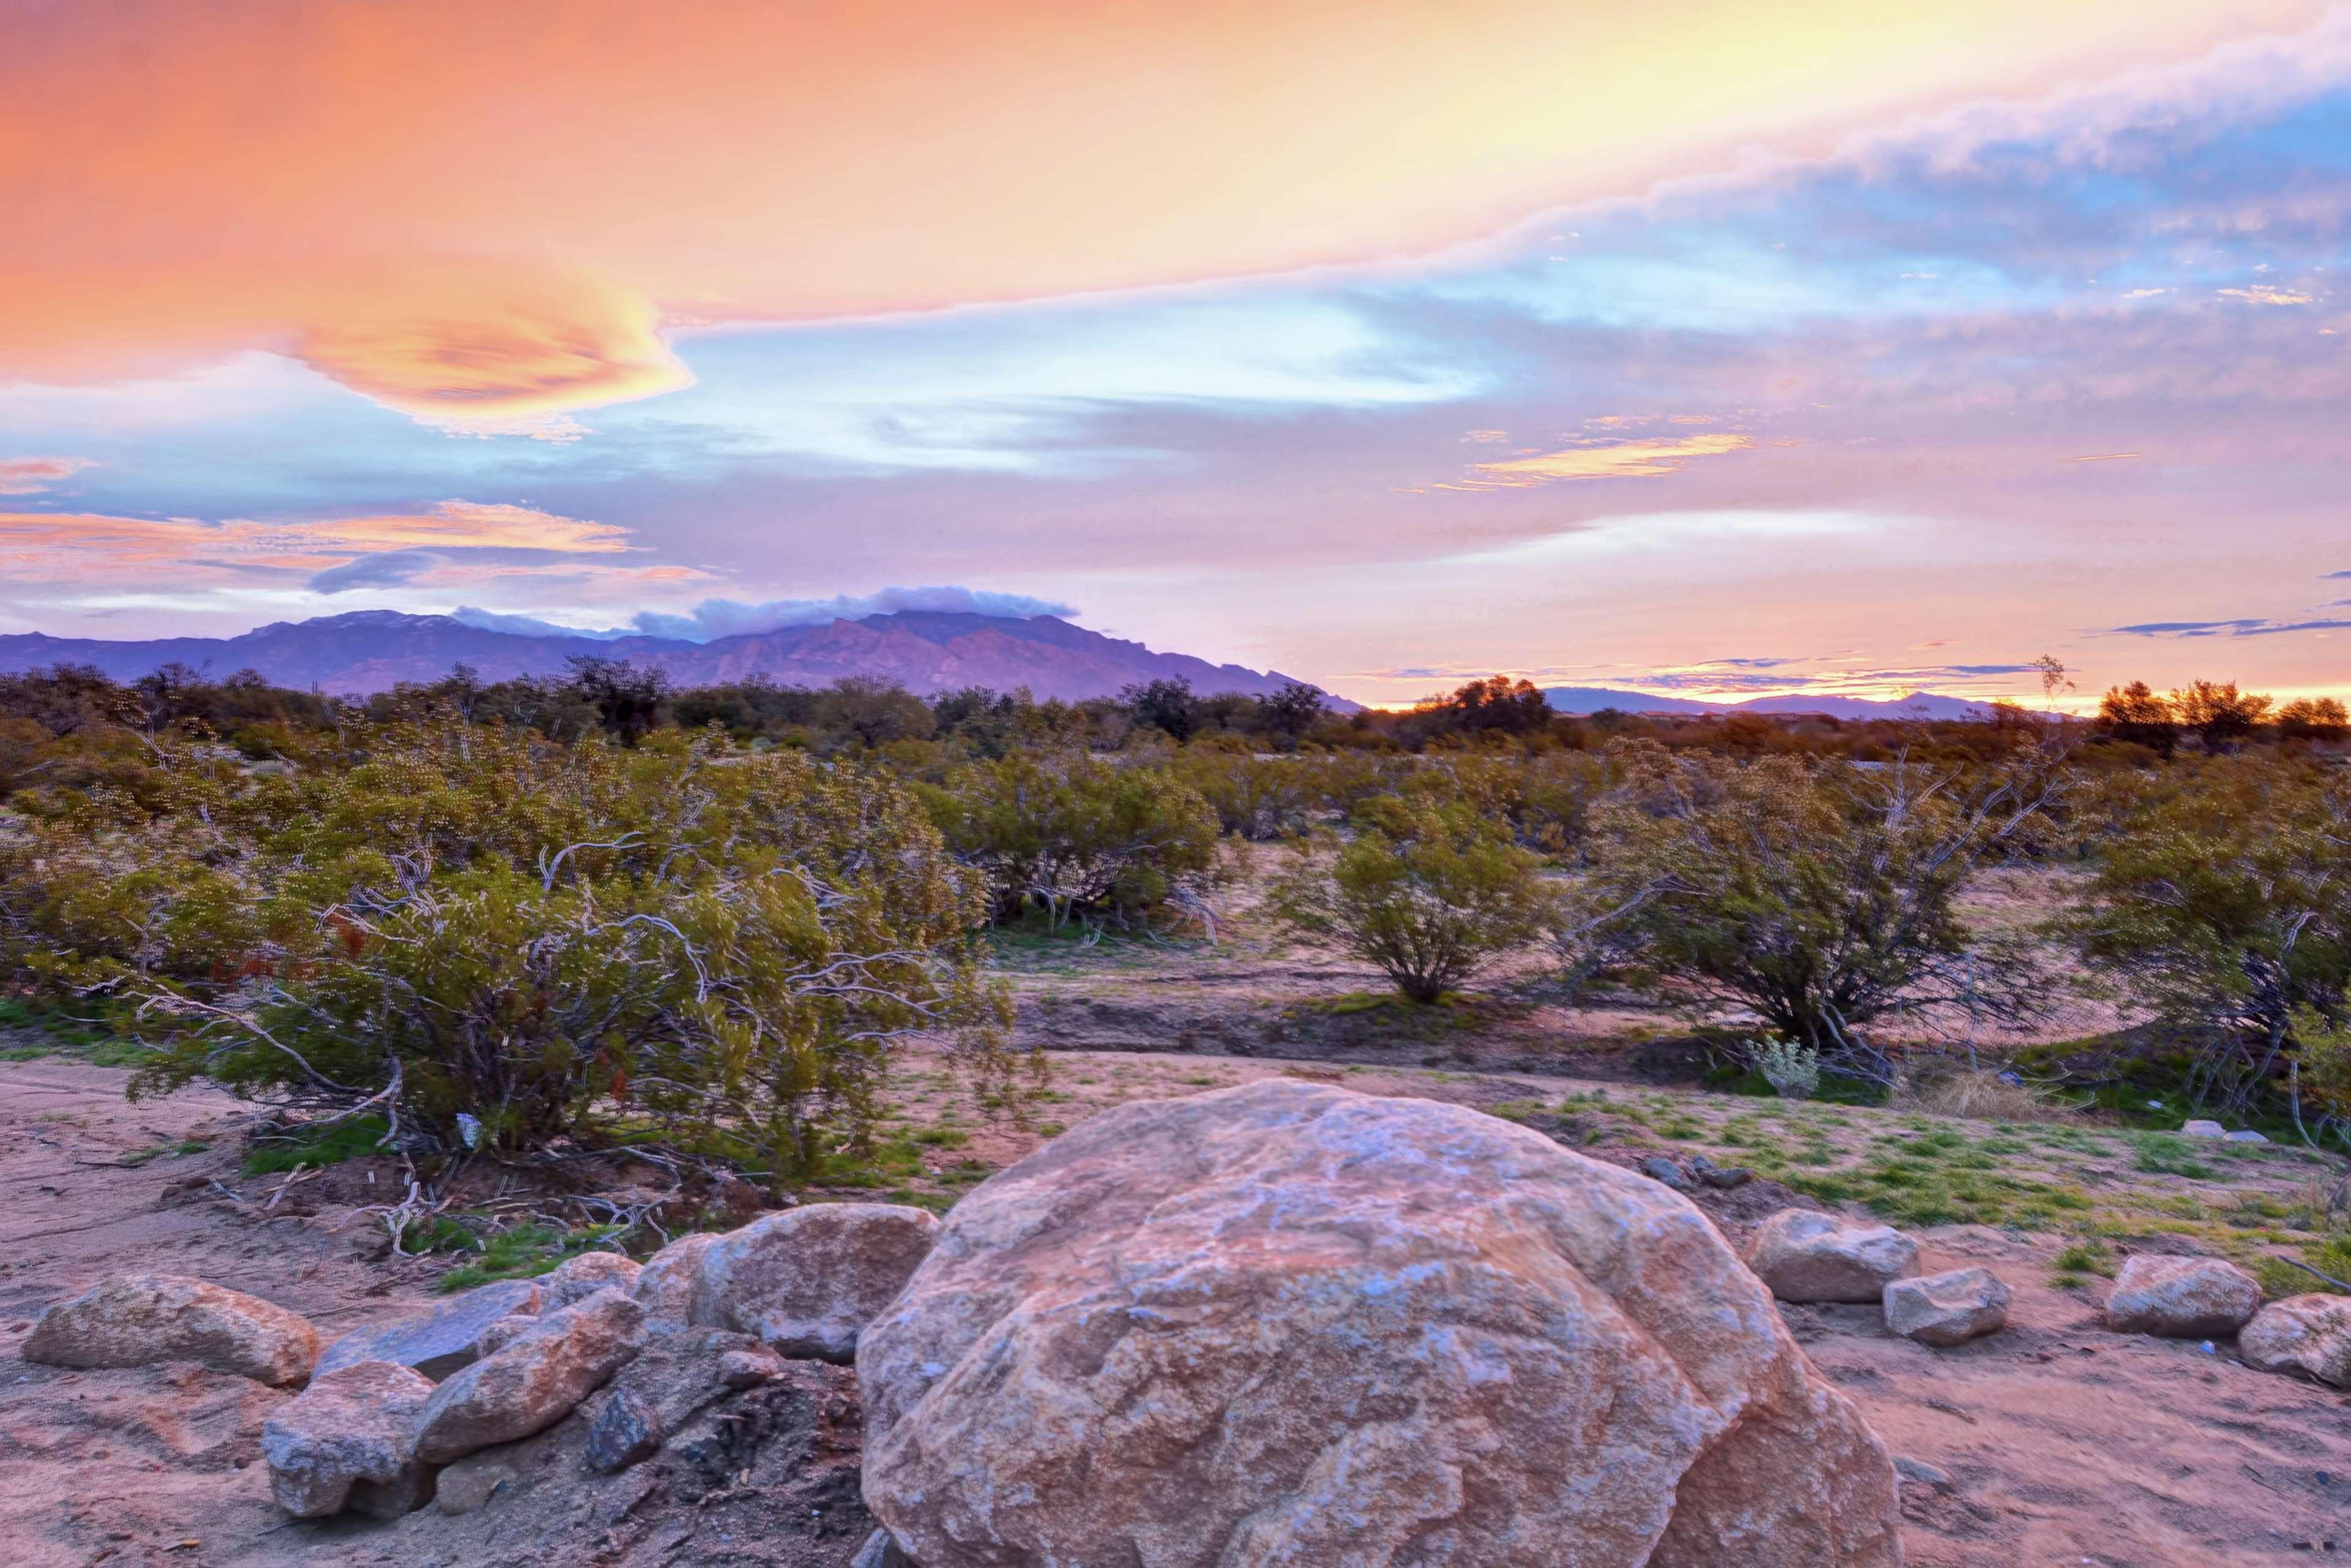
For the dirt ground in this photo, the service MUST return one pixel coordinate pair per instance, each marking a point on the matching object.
(2053, 1443)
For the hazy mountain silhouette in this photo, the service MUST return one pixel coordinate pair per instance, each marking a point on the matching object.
(1917, 705)
(926, 651)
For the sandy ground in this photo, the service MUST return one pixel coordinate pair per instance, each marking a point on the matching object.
(2053, 1443)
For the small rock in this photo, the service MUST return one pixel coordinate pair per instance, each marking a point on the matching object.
(349, 1440)
(1658, 1168)
(470, 1482)
(1947, 1309)
(1921, 1473)
(148, 1318)
(1803, 1255)
(807, 1281)
(671, 1379)
(1725, 1177)
(534, 1382)
(2246, 1136)
(580, 1278)
(881, 1552)
(437, 1342)
(666, 1286)
(2181, 1298)
(2203, 1129)
(2309, 1334)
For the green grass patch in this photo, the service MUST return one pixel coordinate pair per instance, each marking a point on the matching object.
(2168, 1153)
(301, 1147)
(523, 1252)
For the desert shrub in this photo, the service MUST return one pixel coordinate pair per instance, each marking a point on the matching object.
(1820, 896)
(1255, 796)
(1079, 838)
(1791, 1068)
(1545, 799)
(1430, 890)
(2223, 901)
(680, 941)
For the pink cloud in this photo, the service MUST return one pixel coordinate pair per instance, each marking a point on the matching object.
(25, 475)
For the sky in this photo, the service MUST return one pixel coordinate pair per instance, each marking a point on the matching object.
(1684, 346)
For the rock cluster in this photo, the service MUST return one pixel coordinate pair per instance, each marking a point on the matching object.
(1287, 1323)
(389, 1405)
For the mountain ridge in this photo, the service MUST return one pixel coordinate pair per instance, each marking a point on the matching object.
(1917, 704)
(926, 650)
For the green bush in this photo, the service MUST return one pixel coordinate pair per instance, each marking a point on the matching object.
(1430, 890)
(445, 921)
(1077, 838)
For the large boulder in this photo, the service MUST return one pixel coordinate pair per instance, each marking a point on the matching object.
(577, 1279)
(1285, 1324)
(148, 1318)
(437, 1342)
(807, 1281)
(666, 1286)
(2184, 1298)
(1802, 1255)
(350, 1440)
(2309, 1334)
(532, 1383)
(1951, 1309)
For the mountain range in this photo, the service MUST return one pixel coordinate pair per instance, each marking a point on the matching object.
(1917, 705)
(927, 651)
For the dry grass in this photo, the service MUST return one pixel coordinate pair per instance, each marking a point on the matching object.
(1982, 1095)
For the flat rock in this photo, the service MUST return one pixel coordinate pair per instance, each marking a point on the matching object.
(577, 1279)
(143, 1319)
(350, 1440)
(2247, 1135)
(2181, 1298)
(2309, 1334)
(437, 1342)
(666, 1286)
(807, 1281)
(1802, 1255)
(1283, 1323)
(532, 1383)
(1947, 1309)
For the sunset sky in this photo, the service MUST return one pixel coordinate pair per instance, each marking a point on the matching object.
(1680, 345)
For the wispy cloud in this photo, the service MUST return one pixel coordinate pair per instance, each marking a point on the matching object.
(1613, 460)
(27, 476)
(2251, 626)
(2263, 294)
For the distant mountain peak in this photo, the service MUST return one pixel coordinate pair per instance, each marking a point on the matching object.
(360, 652)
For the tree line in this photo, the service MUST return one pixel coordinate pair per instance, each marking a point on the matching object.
(523, 915)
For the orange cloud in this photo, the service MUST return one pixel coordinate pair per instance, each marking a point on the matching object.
(493, 212)
(85, 545)
(1617, 460)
